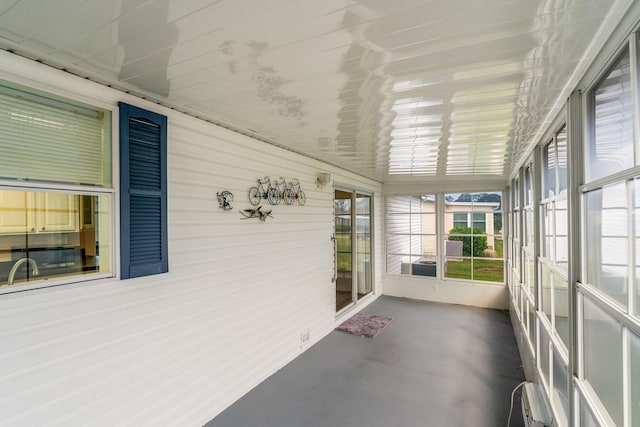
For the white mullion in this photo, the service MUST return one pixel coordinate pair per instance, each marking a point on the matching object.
(553, 301)
(440, 236)
(579, 333)
(626, 377)
(631, 244)
(633, 60)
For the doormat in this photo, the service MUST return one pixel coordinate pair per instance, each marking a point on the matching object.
(364, 325)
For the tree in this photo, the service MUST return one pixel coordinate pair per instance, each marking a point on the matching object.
(473, 241)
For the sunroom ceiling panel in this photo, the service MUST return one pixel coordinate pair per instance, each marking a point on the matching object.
(425, 88)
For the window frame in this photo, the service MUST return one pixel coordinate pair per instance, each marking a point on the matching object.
(441, 234)
(108, 191)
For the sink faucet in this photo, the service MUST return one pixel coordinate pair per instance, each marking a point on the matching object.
(17, 265)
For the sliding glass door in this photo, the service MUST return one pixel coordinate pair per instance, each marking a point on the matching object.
(354, 264)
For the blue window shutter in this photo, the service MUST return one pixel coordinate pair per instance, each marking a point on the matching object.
(143, 192)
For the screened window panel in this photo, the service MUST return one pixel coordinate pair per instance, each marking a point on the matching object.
(602, 339)
(586, 419)
(546, 289)
(607, 241)
(549, 165)
(546, 218)
(488, 270)
(528, 186)
(561, 144)
(531, 322)
(479, 221)
(611, 149)
(561, 308)
(410, 204)
(53, 140)
(543, 357)
(560, 390)
(561, 232)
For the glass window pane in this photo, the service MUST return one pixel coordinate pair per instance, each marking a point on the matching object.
(586, 419)
(489, 270)
(560, 391)
(43, 141)
(528, 185)
(529, 228)
(457, 268)
(411, 241)
(46, 236)
(363, 205)
(607, 241)
(548, 240)
(395, 264)
(531, 322)
(561, 143)
(529, 271)
(403, 204)
(546, 282)
(544, 356)
(429, 247)
(479, 221)
(611, 150)
(549, 167)
(602, 352)
(635, 379)
(562, 233)
(561, 308)
(428, 204)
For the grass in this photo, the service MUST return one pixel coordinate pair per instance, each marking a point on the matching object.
(343, 247)
(498, 246)
(489, 270)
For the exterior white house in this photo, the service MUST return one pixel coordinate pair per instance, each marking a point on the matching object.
(130, 294)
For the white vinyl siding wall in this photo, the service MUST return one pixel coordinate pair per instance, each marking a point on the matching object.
(177, 348)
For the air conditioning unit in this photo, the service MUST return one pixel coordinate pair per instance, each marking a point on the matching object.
(535, 409)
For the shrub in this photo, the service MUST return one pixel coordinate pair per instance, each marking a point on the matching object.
(464, 235)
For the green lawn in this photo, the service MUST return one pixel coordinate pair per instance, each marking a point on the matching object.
(499, 247)
(343, 246)
(483, 269)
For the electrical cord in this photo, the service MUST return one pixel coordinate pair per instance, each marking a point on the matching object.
(511, 407)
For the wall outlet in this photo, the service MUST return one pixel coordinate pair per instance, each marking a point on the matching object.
(304, 336)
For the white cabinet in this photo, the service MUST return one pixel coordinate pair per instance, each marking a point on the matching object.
(31, 212)
(16, 211)
(57, 212)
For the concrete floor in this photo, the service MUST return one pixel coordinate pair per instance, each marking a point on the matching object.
(433, 365)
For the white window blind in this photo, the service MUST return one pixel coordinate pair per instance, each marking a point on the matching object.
(48, 139)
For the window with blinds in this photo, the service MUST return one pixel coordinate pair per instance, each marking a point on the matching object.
(49, 139)
(50, 236)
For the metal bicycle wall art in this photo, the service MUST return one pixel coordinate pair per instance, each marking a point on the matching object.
(277, 191)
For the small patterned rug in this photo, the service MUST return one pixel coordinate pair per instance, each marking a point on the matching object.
(365, 325)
